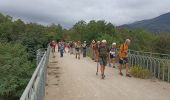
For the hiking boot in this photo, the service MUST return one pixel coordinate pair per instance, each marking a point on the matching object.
(128, 75)
(121, 73)
(103, 76)
(96, 73)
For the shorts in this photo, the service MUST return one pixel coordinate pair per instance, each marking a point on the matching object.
(112, 60)
(103, 61)
(124, 61)
(77, 51)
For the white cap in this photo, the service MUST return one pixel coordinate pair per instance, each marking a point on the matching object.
(93, 41)
(113, 43)
(98, 41)
(84, 41)
(104, 41)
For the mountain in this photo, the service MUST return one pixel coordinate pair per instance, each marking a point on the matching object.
(155, 25)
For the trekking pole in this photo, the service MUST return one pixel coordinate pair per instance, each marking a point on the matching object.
(97, 67)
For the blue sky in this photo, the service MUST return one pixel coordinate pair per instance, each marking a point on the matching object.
(68, 12)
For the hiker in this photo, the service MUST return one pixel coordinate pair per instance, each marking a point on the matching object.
(71, 47)
(103, 55)
(123, 57)
(94, 50)
(53, 45)
(68, 46)
(62, 48)
(112, 54)
(58, 46)
(77, 49)
(84, 48)
(97, 55)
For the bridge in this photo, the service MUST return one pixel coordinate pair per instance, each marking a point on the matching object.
(68, 78)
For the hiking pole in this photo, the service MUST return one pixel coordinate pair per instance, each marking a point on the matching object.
(97, 67)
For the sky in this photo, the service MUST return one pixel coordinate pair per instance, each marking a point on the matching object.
(68, 12)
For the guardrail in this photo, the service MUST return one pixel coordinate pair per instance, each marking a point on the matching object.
(150, 54)
(158, 66)
(35, 89)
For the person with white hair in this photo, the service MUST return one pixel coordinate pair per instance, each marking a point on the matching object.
(77, 48)
(123, 57)
(112, 54)
(84, 45)
(103, 55)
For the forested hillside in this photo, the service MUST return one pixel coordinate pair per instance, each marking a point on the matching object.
(156, 25)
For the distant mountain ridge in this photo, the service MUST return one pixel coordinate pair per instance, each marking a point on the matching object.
(156, 25)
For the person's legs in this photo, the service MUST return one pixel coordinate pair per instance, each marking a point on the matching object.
(101, 66)
(113, 62)
(104, 66)
(96, 57)
(101, 69)
(120, 66)
(60, 53)
(127, 67)
(79, 55)
(76, 55)
(110, 61)
(85, 53)
(93, 58)
(54, 49)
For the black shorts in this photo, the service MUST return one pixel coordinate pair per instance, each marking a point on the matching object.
(124, 61)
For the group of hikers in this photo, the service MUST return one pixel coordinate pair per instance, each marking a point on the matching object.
(101, 53)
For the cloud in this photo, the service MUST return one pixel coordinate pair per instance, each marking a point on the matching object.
(68, 12)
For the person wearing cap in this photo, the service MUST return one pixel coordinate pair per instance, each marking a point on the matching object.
(112, 54)
(97, 55)
(123, 57)
(77, 48)
(84, 48)
(62, 48)
(94, 50)
(71, 47)
(53, 46)
(103, 55)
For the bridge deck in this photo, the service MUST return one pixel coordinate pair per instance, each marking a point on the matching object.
(71, 79)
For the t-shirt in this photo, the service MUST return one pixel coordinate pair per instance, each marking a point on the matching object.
(123, 53)
(112, 52)
(84, 45)
(94, 46)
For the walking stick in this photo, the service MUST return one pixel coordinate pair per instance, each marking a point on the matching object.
(97, 67)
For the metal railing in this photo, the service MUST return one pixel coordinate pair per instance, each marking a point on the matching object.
(150, 54)
(35, 89)
(159, 67)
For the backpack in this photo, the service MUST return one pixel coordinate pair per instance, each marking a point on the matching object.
(103, 52)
